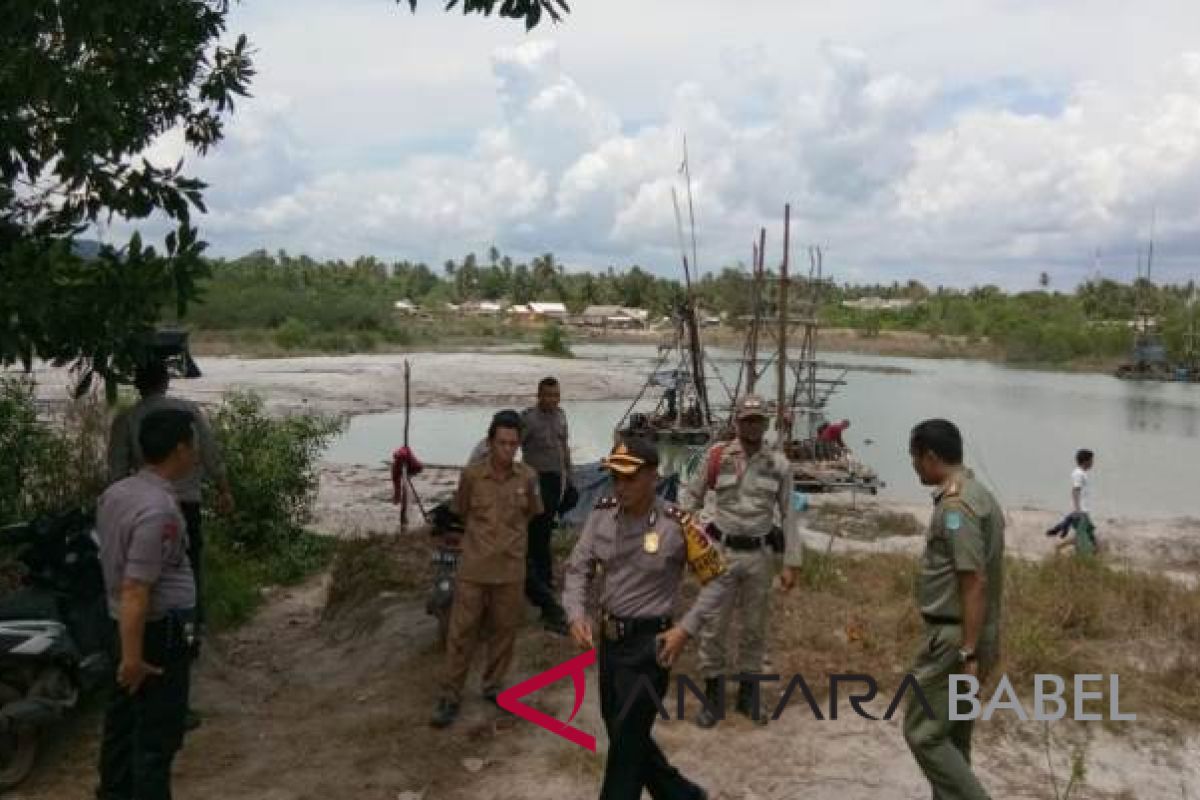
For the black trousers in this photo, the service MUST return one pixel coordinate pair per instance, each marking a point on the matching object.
(143, 731)
(192, 517)
(635, 761)
(539, 562)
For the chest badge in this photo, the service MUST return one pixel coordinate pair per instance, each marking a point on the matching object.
(953, 521)
(650, 542)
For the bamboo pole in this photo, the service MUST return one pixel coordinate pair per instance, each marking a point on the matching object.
(404, 481)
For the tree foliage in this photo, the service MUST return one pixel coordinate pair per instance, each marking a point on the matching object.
(529, 10)
(87, 86)
(342, 306)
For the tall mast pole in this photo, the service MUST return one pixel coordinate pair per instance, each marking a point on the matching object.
(781, 409)
(756, 310)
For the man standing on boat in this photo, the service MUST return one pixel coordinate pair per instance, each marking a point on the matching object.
(545, 448)
(753, 522)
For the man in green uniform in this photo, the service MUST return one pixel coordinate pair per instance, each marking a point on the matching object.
(958, 592)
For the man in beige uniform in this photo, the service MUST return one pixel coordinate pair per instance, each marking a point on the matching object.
(753, 489)
(495, 499)
(638, 546)
(959, 589)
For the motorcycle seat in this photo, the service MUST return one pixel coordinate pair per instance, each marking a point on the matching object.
(28, 604)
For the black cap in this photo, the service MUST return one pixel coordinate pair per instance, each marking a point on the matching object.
(631, 454)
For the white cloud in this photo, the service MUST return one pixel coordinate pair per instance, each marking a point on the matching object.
(569, 140)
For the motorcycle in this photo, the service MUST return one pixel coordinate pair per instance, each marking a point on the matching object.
(54, 633)
(447, 529)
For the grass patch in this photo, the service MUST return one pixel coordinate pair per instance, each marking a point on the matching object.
(234, 580)
(856, 613)
(1080, 616)
(367, 567)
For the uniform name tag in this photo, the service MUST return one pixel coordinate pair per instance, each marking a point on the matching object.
(650, 542)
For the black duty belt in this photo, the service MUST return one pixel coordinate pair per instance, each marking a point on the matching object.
(740, 543)
(932, 619)
(618, 628)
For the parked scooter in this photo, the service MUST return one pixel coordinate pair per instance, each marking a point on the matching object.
(54, 632)
(447, 528)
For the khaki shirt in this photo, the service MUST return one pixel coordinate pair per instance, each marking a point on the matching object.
(641, 561)
(752, 495)
(143, 538)
(496, 511)
(966, 534)
(544, 443)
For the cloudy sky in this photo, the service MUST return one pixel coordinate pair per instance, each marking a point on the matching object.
(956, 141)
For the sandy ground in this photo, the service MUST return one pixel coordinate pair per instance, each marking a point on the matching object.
(299, 706)
(302, 706)
(365, 384)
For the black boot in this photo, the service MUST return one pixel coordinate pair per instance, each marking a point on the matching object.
(746, 704)
(714, 699)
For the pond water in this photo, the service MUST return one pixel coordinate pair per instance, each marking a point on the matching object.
(1021, 428)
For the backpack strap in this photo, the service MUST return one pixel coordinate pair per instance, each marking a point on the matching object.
(713, 466)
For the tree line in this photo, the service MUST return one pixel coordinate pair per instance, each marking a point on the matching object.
(295, 293)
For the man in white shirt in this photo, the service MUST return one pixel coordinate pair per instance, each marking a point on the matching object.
(1079, 520)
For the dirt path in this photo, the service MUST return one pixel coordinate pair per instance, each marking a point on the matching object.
(301, 708)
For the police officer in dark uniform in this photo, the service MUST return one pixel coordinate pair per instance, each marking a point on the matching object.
(151, 599)
(638, 546)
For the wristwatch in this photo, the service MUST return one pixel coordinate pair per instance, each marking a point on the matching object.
(966, 655)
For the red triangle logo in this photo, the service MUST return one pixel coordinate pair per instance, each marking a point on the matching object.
(510, 699)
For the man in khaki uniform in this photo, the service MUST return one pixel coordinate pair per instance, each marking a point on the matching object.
(637, 548)
(958, 591)
(496, 499)
(753, 489)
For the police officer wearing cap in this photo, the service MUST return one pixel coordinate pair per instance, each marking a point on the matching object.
(637, 546)
(753, 488)
(959, 591)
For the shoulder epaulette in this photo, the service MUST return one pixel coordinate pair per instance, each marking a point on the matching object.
(606, 502)
(678, 514)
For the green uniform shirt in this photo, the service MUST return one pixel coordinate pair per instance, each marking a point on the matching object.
(966, 534)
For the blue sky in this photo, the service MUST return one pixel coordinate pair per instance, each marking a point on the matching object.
(956, 142)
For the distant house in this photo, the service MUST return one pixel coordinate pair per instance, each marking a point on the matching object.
(482, 308)
(548, 311)
(877, 304)
(706, 318)
(613, 317)
(405, 306)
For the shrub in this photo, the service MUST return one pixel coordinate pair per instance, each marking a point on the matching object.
(48, 464)
(272, 465)
(554, 342)
(292, 334)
